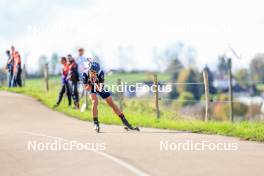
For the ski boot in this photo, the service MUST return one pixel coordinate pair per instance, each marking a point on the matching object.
(97, 126)
(128, 127)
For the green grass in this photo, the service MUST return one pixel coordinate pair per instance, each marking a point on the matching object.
(135, 77)
(143, 116)
(129, 78)
(260, 87)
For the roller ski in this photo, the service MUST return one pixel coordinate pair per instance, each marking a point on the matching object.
(128, 127)
(132, 128)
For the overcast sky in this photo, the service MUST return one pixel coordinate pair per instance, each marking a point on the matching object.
(208, 26)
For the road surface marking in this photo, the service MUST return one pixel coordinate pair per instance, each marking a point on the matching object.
(120, 162)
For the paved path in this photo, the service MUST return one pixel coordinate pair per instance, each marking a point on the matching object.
(25, 121)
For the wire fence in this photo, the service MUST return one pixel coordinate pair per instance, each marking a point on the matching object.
(217, 106)
(206, 106)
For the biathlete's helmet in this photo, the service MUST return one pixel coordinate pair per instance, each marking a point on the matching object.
(94, 66)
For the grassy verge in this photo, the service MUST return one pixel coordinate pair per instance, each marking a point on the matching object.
(145, 118)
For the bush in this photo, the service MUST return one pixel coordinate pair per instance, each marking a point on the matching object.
(141, 106)
(254, 110)
(202, 99)
(222, 97)
(194, 111)
(221, 111)
(240, 109)
(186, 98)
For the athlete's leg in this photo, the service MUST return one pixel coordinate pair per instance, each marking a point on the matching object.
(94, 100)
(111, 103)
(115, 108)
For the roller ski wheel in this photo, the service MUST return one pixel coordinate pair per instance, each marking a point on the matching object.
(132, 129)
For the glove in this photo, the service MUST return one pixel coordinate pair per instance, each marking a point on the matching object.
(64, 80)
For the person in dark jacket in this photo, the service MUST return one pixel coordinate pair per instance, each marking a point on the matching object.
(9, 68)
(73, 77)
(65, 87)
(17, 69)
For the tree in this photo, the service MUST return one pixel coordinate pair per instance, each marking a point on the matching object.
(257, 68)
(190, 56)
(186, 98)
(212, 89)
(242, 76)
(222, 66)
(41, 63)
(173, 93)
(168, 59)
(54, 63)
(188, 79)
(174, 68)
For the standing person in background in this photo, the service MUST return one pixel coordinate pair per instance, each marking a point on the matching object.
(73, 77)
(17, 70)
(9, 68)
(64, 83)
(83, 65)
(83, 62)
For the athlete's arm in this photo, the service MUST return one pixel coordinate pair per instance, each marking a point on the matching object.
(100, 84)
(86, 82)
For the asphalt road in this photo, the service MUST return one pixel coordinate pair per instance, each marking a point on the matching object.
(35, 140)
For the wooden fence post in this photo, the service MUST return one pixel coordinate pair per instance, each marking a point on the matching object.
(46, 76)
(230, 77)
(155, 81)
(120, 95)
(206, 93)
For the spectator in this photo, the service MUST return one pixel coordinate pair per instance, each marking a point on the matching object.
(73, 77)
(83, 63)
(9, 68)
(17, 70)
(64, 83)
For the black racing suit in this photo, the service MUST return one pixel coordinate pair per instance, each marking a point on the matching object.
(100, 79)
(103, 94)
